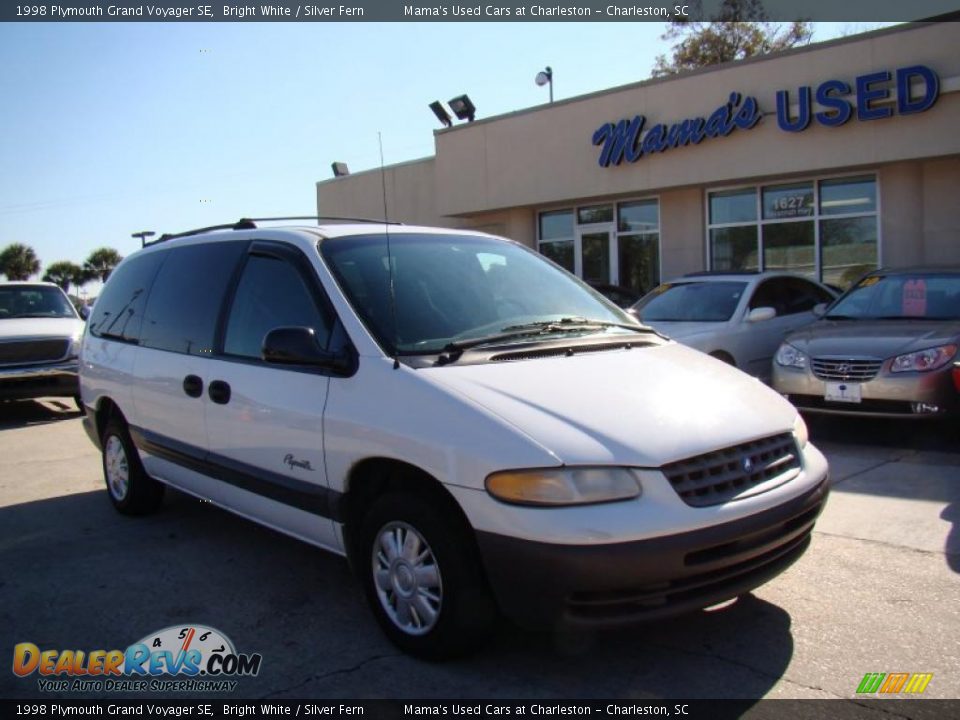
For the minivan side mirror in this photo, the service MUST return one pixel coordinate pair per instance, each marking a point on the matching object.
(761, 313)
(85, 312)
(299, 346)
(820, 309)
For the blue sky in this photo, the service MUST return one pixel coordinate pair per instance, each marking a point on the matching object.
(113, 128)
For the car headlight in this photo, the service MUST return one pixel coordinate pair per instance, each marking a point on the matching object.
(563, 486)
(800, 432)
(788, 356)
(76, 342)
(924, 360)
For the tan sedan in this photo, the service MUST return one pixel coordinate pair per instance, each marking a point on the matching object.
(888, 347)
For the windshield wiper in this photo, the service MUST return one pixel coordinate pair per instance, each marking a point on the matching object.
(453, 350)
(840, 317)
(576, 323)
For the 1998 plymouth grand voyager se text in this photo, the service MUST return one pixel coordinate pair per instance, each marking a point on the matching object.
(473, 427)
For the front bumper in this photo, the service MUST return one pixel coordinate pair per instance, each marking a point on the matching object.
(542, 585)
(31, 381)
(886, 395)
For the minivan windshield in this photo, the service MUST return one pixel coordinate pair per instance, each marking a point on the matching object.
(457, 288)
(907, 296)
(705, 301)
(34, 301)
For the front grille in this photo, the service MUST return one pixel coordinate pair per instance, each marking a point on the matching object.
(21, 352)
(730, 473)
(846, 370)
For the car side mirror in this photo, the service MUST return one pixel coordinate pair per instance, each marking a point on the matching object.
(820, 309)
(299, 346)
(761, 313)
(85, 312)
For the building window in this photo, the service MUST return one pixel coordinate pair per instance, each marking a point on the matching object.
(824, 229)
(556, 237)
(607, 244)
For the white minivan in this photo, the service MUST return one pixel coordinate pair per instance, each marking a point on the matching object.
(476, 430)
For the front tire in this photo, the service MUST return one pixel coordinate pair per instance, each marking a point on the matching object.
(423, 578)
(131, 490)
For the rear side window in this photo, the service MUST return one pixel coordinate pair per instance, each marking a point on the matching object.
(185, 302)
(271, 294)
(118, 312)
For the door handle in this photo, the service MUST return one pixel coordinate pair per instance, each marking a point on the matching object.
(219, 392)
(193, 386)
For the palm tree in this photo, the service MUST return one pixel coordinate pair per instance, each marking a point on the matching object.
(19, 262)
(101, 263)
(65, 273)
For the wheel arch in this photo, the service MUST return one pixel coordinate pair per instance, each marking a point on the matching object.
(372, 477)
(105, 410)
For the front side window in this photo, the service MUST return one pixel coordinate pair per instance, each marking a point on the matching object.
(450, 288)
(271, 294)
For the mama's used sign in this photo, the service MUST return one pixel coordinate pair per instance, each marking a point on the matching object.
(868, 98)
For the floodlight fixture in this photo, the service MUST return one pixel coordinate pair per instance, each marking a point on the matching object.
(545, 77)
(463, 108)
(339, 169)
(442, 115)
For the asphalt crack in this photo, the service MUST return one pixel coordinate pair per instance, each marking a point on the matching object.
(332, 673)
(884, 543)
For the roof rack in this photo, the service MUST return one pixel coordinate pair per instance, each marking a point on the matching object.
(251, 224)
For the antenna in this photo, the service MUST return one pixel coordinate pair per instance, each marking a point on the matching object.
(386, 230)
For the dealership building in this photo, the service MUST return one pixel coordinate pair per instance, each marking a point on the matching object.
(826, 160)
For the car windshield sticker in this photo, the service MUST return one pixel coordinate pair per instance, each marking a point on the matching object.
(915, 298)
(867, 282)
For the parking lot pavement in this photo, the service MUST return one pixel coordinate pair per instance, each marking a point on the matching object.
(877, 592)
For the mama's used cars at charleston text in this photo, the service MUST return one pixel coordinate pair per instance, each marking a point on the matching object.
(476, 429)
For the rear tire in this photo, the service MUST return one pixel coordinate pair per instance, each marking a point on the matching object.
(422, 577)
(131, 490)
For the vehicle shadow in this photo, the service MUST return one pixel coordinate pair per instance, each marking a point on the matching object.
(75, 574)
(22, 413)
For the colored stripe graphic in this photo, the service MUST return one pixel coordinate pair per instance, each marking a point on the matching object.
(894, 683)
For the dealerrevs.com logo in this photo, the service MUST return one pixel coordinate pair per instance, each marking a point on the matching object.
(177, 658)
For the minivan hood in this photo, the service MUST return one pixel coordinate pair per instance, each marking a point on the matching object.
(39, 327)
(640, 407)
(879, 339)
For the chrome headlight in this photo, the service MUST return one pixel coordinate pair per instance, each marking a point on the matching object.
(800, 432)
(564, 486)
(924, 360)
(76, 342)
(788, 356)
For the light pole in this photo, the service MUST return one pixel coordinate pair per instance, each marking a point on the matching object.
(143, 235)
(545, 77)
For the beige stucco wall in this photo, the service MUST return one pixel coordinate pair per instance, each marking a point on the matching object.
(546, 155)
(410, 194)
(496, 174)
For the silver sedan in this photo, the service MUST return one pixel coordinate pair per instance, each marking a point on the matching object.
(740, 318)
